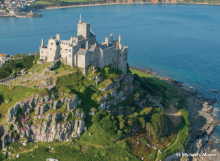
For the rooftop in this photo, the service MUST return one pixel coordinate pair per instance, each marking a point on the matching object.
(81, 51)
(105, 46)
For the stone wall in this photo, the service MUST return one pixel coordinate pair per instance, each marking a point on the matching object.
(2, 81)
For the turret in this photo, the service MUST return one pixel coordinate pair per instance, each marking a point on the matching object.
(111, 38)
(42, 43)
(119, 42)
(58, 37)
(106, 40)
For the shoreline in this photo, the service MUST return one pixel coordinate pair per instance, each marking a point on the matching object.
(174, 82)
(105, 4)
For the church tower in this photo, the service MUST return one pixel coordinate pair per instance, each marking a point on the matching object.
(83, 29)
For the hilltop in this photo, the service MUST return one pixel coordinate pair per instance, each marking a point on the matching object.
(52, 106)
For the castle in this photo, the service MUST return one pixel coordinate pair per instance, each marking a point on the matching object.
(83, 51)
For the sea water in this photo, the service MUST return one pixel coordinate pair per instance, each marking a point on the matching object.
(177, 41)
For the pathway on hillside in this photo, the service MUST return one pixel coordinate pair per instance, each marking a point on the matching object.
(174, 114)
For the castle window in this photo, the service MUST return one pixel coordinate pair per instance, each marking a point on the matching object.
(69, 55)
(66, 49)
(80, 56)
(50, 48)
(51, 43)
(41, 51)
(69, 50)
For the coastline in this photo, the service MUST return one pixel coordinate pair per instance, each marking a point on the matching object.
(114, 3)
(48, 7)
(201, 116)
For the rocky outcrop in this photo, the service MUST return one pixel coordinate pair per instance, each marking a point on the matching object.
(203, 121)
(203, 124)
(44, 126)
(114, 96)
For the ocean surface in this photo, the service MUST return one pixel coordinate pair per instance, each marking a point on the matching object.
(177, 41)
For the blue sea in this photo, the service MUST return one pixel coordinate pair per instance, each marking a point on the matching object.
(177, 41)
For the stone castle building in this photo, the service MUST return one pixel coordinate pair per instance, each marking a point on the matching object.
(83, 50)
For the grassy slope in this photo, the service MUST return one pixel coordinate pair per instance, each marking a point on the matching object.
(155, 79)
(99, 136)
(43, 3)
(13, 95)
(39, 70)
(158, 82)
(73, 151)
(183, 132)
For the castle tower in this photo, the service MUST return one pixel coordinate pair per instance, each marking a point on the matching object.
(83, 29)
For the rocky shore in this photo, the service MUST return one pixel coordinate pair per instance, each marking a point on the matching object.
(203, 124)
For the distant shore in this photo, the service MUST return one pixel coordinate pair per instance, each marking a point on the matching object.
(104, 4)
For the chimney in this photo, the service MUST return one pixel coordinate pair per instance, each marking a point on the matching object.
(71, 40)
(58, 37)
(87, 45)
(42, 43)
(106, 40)
(111, 38)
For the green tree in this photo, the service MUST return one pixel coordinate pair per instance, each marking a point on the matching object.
(109, 125)
(161, 124)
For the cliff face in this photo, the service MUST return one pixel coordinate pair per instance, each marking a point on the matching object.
(117, 92)
(42, 119)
